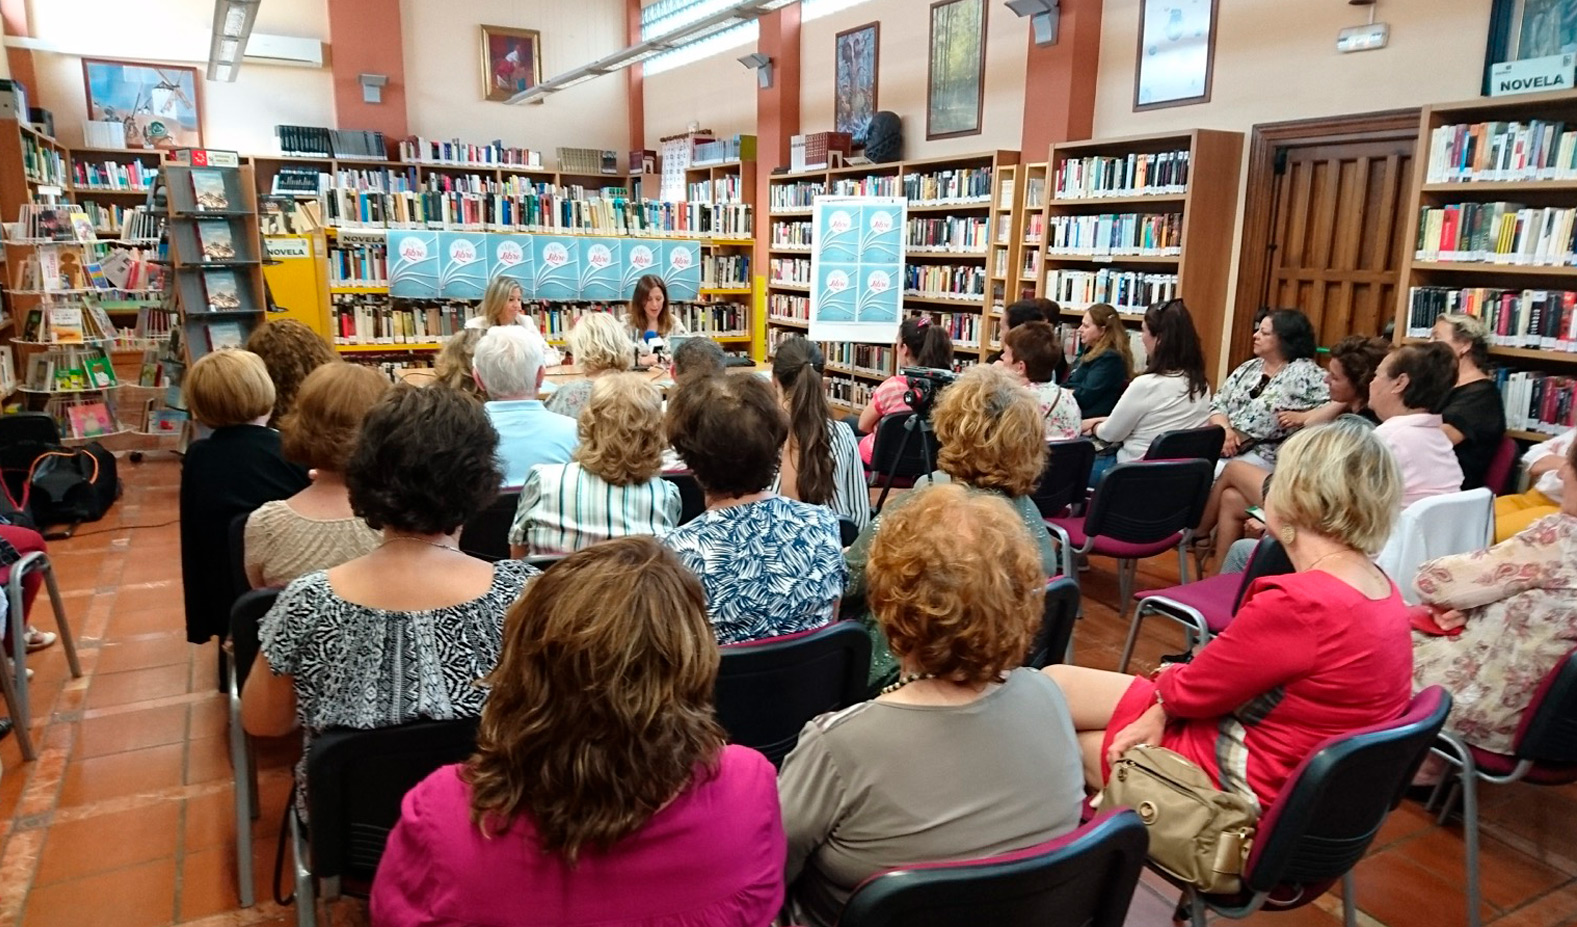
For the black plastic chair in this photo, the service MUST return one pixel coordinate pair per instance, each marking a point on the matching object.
(238, 554)
(847, 530)
(692, 499)
(486, 535)
(245, 615)
(1063, 483)
(544, 562)
(768, 689)
(1188, 444)
(1058, 614)
(1085, 877)
(355, 782)
(896, 462)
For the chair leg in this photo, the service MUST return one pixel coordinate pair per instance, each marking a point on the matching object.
(21, 714)
(1139, 612)
(1196, 909)
(245, 811)
(306, 901)
(1470, 837)
(1349, 900)
(1124, 582)
(61, 622)
(24, 737)
(1182, 563)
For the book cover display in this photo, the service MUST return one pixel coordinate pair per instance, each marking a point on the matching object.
(558, 266)
(217, 241)
(857, 268)
(413, 265)
(209, 190)
(90, 420)
(457, 265)
(224, 291)
(464, 265)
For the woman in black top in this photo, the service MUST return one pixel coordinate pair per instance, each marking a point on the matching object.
(1475, 419)
(1102, 372)
(233, 471)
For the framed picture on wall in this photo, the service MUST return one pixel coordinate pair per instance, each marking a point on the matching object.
(1520, 29)
(956, 80)
(1177, 52)
(855, 78)
(159, 105)
(511, 61)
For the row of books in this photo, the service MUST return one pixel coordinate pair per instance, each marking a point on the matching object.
(1029, 268)
(42, 163)
(727, 189)
(799, 194)
(723, 150)
(725, 271)
(947, 233)
(133, 269)
(320, 142)
(42, 222)
(418, 150)
(963, 327)
(788, 306)
(1538, 401)
(795, 271)
(1034, 228)
(1502, 151)
(76, 322)
(959, 185)
(113, 221)
(361, 319)
(952, 281)
(287, 215)
(71, 369)
(1116, 233)
(791, 234)
(360, 264)
(716, 320)
(1498, 233)
(114, 175)
(1135, 174)
(346, 208)
(1543, 320)
(866, 358)
(850, 392)
(1130, 292)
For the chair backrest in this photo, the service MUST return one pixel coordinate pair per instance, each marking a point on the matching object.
(1450, 523)
(1269, 559)
(237, 537)
(1057, 616)
(245, 615)
(692, 500)
(1498, 473)
(356, 780)
(1188, 443)
(768, 689)
(1148, 500)
(1334, 803)
(1548, 731)
(1066, 478)
(544, 561)
(486, 535)
(1086, 877)
(919, 452)
(848, 531)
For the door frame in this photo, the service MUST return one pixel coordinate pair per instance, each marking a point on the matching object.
(1259, 192)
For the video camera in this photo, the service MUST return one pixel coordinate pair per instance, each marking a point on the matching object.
(924, 385)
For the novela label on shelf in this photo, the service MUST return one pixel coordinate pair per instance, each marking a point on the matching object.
(286, 247)
(1532, 75)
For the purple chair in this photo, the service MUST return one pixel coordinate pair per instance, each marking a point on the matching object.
(1084, 877)
(1498, 473)
(1543, 752)
(1328, 813)
(1205, 607)
(1140, 509)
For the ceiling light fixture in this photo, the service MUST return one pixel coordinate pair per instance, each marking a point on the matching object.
(232, 27)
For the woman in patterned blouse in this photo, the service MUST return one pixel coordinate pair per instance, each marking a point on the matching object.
(1033, 354)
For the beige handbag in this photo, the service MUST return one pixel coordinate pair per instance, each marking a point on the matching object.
(1198, 833)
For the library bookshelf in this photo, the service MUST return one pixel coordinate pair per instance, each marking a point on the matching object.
(1189, 254)
(1509, 259)
(1017, 214)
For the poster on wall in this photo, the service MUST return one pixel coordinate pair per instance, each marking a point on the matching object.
(413, 264)
(854, 79)
(158, 105)
(856, 268)
(1176, 53)
(558, 267)
(512, 256)
(682, 270)
(601, 270)
(464, 265)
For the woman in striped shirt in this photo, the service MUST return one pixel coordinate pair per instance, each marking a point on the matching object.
(612, 487)
(821, 461)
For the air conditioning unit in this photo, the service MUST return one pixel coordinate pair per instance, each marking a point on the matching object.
(284, 50)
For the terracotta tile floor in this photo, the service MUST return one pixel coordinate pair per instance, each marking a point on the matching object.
(126, 818)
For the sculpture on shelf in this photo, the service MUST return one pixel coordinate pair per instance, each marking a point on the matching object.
(884, 138)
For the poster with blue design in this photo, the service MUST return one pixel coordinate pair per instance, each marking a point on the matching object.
(602, 270)
(511, 256)
(640, 258)
(682, 270)
(463, 263)
(856, 268)
(413, 264)
(557, 267)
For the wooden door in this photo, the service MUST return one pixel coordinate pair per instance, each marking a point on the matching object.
(1328, 203)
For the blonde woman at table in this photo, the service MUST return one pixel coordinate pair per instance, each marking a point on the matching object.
(502, 304)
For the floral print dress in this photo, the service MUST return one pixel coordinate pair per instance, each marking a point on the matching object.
(1520, 598)
(1059, 411)
(1250, 402)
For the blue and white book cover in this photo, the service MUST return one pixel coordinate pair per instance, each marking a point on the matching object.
(835, 292)
(602, 269)
(857, 268)
(463, 265)
(413, 264)
(640, 258)
(510, 255)
(557, 267)
(682, 270)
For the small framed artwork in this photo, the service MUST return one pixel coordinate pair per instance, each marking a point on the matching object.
(511, 61)
(855, 78)
(1177, 53)
(956, 79)
(159, 105)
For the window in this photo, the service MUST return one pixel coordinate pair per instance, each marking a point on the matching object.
(665, 16)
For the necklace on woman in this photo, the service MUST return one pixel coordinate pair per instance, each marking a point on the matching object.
(405, 537)
(1328, 556)
(905, 680)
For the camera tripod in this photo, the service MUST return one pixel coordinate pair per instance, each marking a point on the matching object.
(915, 422)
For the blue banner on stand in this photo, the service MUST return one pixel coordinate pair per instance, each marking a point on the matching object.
(640, 258)
(601, 269)
(857, 266)
(682, 270)
(413, 264)
(557, 267)
(464, 265)
(511, 256)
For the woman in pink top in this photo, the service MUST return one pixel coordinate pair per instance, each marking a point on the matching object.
(601, 791)
(920, 344)
(1409, 389)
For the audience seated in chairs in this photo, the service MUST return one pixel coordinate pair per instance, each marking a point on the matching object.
(968, 755)
(1032, 353)
(990, 432)
(1101, 373)
(403, 632)
(1352, 366)
(697, 357)
(821, 461)
(1509, 615)
(1309, 655)
(920, 344)
(1545, 497)
(1407, 393)
(612, 487)
(453, 368)
(1024, 311)
(509, 368)
(231, 472)
(315, 529)
(770, 565)
(599, 345)
(601, 790)
(291, 351)
(1475, 417)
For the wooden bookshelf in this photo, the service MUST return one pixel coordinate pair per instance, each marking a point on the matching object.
(1020, 194)
(729, 184)
(1208, 206)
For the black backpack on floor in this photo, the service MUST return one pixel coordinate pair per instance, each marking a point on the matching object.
(48, 484)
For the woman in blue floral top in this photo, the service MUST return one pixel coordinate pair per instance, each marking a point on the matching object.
(770, 565)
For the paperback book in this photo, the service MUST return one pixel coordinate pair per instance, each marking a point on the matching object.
(224, 292)
(100, 373)
(223, 335)
(208, 189)
(217, 241)
(65, 324)
(90, 420)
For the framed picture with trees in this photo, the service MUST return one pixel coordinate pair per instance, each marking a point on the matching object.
(956, 79)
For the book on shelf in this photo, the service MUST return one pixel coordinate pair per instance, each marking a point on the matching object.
(1537, 401)
(209, 190)
(1136, 234)
(418, 150)
(224, 335)
(1133, 174)
(113, 175)
(1544, 320)
(964, 185)
(168, 421)
(1497, 233)
(64, 324)
(1129, 292)
(1535, 150)
(223, 290)
(100, 373)
(90, 420)
(216, 240)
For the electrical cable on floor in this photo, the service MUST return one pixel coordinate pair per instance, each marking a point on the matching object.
(88, 534)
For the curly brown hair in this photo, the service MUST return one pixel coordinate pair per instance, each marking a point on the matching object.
(600, 708)
(290, 350)
(965, 610)
(321, 431)
(621, 430)
(453, 366)
(990, 431)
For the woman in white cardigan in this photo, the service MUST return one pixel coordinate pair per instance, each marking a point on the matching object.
(502, 305)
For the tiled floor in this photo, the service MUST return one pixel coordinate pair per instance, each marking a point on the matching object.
(126, 817)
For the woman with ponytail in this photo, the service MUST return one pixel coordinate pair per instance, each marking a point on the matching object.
(920, 344)
(1102, 372)
(821, 464)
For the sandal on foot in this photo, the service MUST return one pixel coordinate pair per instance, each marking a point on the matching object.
(38, 640)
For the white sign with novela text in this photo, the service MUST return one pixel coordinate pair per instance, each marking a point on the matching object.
(1532, 75)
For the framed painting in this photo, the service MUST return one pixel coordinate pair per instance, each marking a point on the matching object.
(1520, 29)
(159, 105)
(511, 61)
(956, 78)
(855, 78)
(1177, 53)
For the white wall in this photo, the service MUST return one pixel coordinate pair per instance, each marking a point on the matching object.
(443, 73)
(718, 92)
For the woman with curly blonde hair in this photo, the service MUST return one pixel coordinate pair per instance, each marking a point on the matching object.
(599, 345)
(960, 617)
(452, 369)
(601, 790)
(290, 350)
(612, 487)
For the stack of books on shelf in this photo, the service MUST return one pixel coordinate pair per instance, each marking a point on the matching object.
(133, 224)
(947, 234)
(723, 151)
(77, 321)
(1134, 174)
(869, 359)
(41, 163)
(849, 393)
(1498, 233)
(320, 142)
(1129, 292)
(795, 197)
(959, 186)
(44, 223)
(1541, 320)
(291, 180)
(114, 175)
(1539, 149)
(1117, 234)
(361, 319)
(286, 215)
(70, 369)
(1538, 402)
(715, 320)
(945, 281)
(417, 150)
(874, 185)
(359, 264)
(788, 307)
